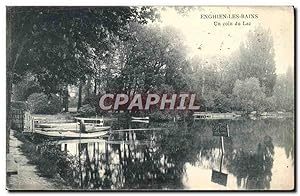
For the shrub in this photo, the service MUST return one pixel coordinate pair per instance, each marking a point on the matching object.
(161, 115)
(92, 100)
(87, 110)
(25, 87)
(40, 103)
(250, 96)
(19, 105)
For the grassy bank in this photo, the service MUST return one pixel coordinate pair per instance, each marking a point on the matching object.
(50, 161)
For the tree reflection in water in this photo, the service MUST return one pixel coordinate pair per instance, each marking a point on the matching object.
(129, 161)
(157, 159)
(253, 169)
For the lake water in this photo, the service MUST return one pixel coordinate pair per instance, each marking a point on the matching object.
(258, 154)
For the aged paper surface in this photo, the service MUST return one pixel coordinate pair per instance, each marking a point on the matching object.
(150, 98)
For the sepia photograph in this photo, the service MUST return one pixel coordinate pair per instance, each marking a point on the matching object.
(150, 98)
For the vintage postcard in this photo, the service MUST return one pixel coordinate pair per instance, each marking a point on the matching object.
(150, 98)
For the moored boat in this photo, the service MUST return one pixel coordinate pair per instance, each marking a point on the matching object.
(88, 129)
(82, 128)
(140, 119)
(71, 134)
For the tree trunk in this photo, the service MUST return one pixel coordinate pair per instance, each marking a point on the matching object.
(9, 78)
(203, 81)
(79, 96)
(95, 87)
(12, 57)
(61, 98)
(88, 87)
(66, 98)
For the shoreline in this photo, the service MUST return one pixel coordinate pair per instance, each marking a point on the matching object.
(28, 177)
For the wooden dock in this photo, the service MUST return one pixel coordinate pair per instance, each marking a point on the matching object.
(139, 129)
(214, 116)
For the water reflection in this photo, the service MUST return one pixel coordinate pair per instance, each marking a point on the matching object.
(218, 176)
(186, 156)
(125, 160)
(253, 169)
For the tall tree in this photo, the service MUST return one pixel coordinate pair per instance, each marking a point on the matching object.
(55, 44)
(152, 57)
(256, 59)
(284, 91)
(249, 94)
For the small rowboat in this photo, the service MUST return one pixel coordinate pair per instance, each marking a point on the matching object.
(56, 125)
(71, 134)
(140, 119)
(74, 129)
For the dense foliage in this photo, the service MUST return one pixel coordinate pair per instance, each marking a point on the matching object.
(116, 50)
(40, 103)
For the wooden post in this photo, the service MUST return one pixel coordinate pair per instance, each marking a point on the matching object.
(22, 119)
(228, 130)
(82, 127)
(79, 95)
(222, 144)
(221, 163)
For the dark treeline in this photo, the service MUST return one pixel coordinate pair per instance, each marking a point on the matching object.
(55, 52)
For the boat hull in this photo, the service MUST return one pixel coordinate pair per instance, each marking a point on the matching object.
(70, 134)
(74, 128)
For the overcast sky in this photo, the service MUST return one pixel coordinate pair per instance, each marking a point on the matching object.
(203, 33)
